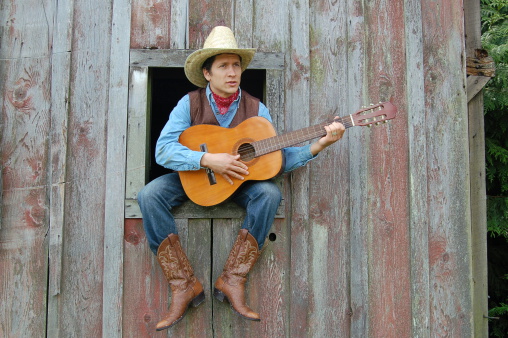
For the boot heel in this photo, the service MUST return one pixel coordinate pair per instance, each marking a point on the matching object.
(198, 299)
(219, 295)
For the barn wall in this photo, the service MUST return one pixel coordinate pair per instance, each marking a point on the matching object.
(376, 238)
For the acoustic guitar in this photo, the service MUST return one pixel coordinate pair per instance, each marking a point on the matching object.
(259, 147)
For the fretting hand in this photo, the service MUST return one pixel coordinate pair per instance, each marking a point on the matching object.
(334, 132)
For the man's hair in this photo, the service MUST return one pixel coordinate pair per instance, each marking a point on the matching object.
(209, 62)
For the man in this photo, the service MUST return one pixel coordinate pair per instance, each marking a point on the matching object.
(217, 70)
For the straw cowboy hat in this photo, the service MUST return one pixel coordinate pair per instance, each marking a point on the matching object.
(220, 41)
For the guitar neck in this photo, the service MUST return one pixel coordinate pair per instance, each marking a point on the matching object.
(292, 138)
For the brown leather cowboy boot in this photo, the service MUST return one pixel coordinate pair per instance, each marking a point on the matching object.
(231, 283)
(186, 290)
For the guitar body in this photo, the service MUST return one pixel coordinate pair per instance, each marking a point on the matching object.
(196, 183)
(256, 141)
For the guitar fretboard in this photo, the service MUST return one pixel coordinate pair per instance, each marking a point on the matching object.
(292, 138)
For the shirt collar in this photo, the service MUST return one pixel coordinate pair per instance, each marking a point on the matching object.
(210, 96)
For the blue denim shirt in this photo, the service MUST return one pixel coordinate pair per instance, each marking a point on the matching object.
(170, 154)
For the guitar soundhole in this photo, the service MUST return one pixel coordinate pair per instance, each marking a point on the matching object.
(247, 152)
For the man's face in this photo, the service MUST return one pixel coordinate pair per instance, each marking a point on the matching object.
(225, 74)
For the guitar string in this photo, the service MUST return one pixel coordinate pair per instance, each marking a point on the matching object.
(270, 145)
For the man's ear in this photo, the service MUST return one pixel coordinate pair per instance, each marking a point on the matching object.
(206, 74)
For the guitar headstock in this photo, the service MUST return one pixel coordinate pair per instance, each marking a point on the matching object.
(374, 114)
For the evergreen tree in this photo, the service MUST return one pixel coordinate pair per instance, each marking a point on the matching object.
(495, 41)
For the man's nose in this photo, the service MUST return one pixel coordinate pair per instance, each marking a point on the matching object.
(231, 71)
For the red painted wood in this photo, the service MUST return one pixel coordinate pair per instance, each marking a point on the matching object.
(150, 24)
(448, 181)
(146, 291)
(389, 247)
(24, 223)
(329, 197)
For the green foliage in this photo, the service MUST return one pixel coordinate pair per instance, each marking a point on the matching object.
(495, 40)
(500, 313)
(497, 210)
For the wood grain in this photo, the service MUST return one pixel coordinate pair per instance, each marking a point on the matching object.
(329, 195)
(447, 170)
(25, 68)
(389, 275)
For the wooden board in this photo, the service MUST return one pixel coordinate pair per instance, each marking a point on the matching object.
(388, 233)
(25, 205)
(449, 219)
(417, 161)
(83, 243)
(472, 22)
(25, 123)
(297, 117)
(329, 195)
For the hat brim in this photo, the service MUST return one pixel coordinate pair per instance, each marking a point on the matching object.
(194, 63)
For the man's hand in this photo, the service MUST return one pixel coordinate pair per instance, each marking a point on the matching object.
(225, 164)
(334, 133)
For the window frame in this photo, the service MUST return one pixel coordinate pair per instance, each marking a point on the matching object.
(141, 60)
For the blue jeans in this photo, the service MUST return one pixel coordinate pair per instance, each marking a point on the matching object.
(156, 200)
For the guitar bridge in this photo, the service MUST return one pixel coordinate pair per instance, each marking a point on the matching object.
(209, 172)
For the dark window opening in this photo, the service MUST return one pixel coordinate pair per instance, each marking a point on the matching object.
(167, 87)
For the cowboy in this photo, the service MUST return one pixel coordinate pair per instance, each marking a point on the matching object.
(216, 70)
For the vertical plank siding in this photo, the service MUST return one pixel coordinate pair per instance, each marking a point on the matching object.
(25, 70)
(375, 237)
(357, 138)
(478, 181)
(447, 170)
(329, 306)
(388, 233)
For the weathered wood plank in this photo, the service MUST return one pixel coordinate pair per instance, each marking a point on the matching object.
(25, 68)
(83, 249)
(243, 23)
(389, 275)
(151, 21)
(115, 173)
(179, 24)
(25, 204)
(176, 58)
(358, 137)
(60, 83)
(146, 291)
(477, 173)
(136, 174)
(203, 16)
(297, 110)
(417, 161)
(447, 170)
(329, 306)
(474, 85)
(270, 281)
(191, 210)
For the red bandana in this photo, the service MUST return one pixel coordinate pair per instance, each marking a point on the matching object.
(223, 103)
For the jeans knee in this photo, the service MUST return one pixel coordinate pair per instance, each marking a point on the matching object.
(144, 194)
(273, 193)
